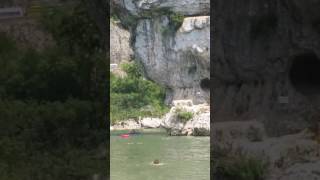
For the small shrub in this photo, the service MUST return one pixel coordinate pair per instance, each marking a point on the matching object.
(176, 20)
(132, 69)
(6, 44)
(128, 22)
(114, 18)
(184, 116)
(240, 167)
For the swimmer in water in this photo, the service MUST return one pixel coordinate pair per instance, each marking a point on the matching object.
(156, 161)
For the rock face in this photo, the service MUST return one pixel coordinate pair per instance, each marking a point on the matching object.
(120, 49)
(265, 76)
(171, 40)
(289, 157)
(176, 57)
(124, 125)
(302, 171)
(250, 130)
(151, 122)
(179, 61)
(197, 125)
(185, 7)
(266, 62)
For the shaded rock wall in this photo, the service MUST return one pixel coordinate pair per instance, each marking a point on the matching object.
(265, 62)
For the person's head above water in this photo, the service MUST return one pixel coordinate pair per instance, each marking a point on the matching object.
(156, 161)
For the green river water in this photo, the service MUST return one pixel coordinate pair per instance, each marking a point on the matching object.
(181, 158)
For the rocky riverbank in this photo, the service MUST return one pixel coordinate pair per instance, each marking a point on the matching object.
(183, 119)
(288, 157)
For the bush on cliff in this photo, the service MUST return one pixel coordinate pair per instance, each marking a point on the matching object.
(133, 96)
(240, 167)
(183, 115)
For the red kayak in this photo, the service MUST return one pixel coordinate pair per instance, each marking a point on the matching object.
(124, 135)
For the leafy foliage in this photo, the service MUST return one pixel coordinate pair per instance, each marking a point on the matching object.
(66, 24)
(134, 96)
(49, 140)
(49, 75)
(183, 115)
(51, 109)
(176, 20)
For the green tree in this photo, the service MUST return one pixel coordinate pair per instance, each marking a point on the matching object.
(133, 96)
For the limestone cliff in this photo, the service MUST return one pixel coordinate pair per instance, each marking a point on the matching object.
(171, 39)
(120, 50)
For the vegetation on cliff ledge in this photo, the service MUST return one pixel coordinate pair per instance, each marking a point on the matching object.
(133, 96)
(183, 115)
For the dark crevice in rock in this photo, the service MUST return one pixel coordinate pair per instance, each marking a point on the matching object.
(205, 84)
(192, 70)
(304, 74)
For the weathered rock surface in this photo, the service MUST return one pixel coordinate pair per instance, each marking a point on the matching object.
(265, 67)
(151, 122)
(266, 62)
(185, 7)
(124, 125)
(179, 61)
(120, 49)
(302, 171)
(198, 125)
(289, 157)
(250, 130)
(177, 58)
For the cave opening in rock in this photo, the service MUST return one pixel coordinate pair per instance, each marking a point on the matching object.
(205, 84)
(305, 74)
